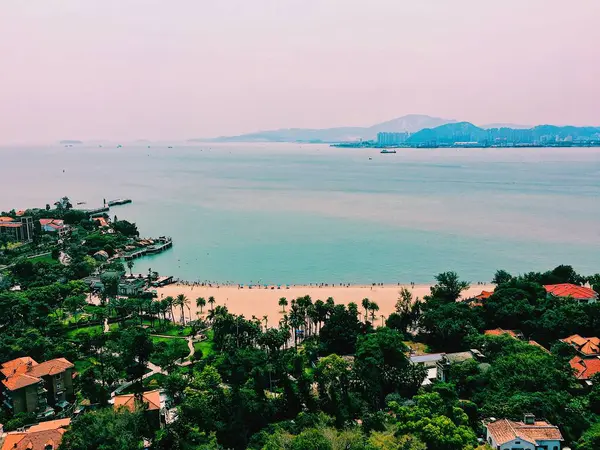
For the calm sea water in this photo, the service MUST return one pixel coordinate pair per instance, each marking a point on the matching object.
(286, 213)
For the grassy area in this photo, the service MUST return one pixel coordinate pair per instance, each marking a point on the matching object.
(207, 346)
(44, 258)
(172, 330)
(178, 347)
(94, 329)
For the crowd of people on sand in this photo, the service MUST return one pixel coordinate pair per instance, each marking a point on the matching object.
(258, 285)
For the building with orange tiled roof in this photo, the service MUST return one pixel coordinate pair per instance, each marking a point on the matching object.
(52, 225)
(31, 387)
(43, 436)
(568, 290)
(151, 401)
(531, 434)
(584, 346)
(484, 295)
(585, 368)
(20, 229)
(500, 332)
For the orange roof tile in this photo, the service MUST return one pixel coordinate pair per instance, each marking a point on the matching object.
(586, 346)
(50, 425)
(52, 367)
(6, 219)
(10, 225)
(500, 332)
(20, 381)
(34, 440)
(571, 290)
(505, 430)
(484, 295)
(152, 398)
(585, 368)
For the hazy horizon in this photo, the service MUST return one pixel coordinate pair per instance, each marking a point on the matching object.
(133, 69)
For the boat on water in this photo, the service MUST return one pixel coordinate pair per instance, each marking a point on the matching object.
(119, 201)
(387, 150)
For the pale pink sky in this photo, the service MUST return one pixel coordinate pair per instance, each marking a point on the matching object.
(157, 69)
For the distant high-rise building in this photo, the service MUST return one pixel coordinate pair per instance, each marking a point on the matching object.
(386, 138)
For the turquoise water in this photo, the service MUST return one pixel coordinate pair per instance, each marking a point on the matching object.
(286, 213)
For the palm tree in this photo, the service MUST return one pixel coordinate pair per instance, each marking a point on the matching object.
(130, 266)
(182, 301)
(211, 300)
(283, 303)
(373, 307)
(171, 302)
(200, 303)
(365, 304)
(266, 319)
(164, 308)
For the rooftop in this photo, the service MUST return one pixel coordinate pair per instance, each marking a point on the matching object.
(586, 346)
(505, 430)
(500, 332)
(151, 398)
(571, 290)
(23, 372)
(585, 368)
(43, 436)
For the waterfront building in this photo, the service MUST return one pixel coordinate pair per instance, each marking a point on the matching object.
(386, 138)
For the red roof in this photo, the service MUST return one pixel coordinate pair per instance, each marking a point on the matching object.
(585, 368)
(500, 332)
(484, 295)
(505, 430)
(38, 437)
(10, 225)
(23, 372)
(571, 290)
(586, 346)
(151, 398)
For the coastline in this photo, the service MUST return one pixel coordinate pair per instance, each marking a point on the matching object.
(263, 301)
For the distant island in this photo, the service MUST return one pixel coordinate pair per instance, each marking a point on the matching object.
(70, 142)
(425, 131)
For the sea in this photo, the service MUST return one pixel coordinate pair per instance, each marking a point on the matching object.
(282, 213)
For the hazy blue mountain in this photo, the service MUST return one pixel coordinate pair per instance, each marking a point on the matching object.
(514, 126)
(411, 123)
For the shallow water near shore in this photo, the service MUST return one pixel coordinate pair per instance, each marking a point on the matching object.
(290, 213)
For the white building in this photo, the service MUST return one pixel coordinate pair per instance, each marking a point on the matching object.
(530, 434)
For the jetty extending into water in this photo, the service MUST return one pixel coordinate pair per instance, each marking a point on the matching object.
(155, 246)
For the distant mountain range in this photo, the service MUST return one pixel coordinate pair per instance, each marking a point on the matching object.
(411, 123)
(423, 129)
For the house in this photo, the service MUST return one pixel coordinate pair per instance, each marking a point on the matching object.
(586, 347)
(484, 295)
(449, 359)
(43, 436)
(152, 401)
(437, 364)
(40, 388)
(52, 225)
(499, 332)
(100, 221)
(20, 230)
(587, 362)
(568, 290)
(531, 434)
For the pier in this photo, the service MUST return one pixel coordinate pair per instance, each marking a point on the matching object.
(160, 245)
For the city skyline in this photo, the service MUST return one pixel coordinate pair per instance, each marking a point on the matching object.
(127, 70)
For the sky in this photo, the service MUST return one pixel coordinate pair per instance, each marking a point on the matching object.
(179, 69)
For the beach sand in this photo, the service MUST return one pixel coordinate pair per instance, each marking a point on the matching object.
(260, 302)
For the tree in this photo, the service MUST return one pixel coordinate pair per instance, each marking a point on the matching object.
(182, 301)
(501, 277)
(106, 429)
(135, 347)
(200, 303)
(339, 333)
(590, 440)
(381, 366)
(130, 266)
(448, 288)
(283, 303)
(211, 301)
(373, 307)
(366, 304)
(170, 301)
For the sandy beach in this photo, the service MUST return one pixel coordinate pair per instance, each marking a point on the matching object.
(264, 301)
